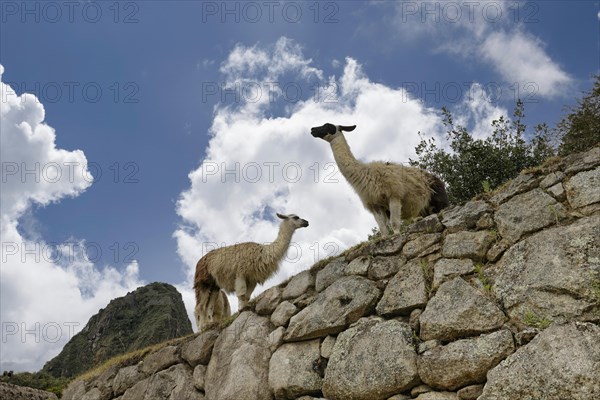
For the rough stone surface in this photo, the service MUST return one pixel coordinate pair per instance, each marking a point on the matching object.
(327, 346)
(199, 350)
(557, 191)
(582, 161)
(174, 383)
(330, 273)
(461, 218)
(138, 391)
(526, 213)
(386, 246)
(497, 249)
(464, 362)
(334, 309)
(428, 345)
(438, 396)
(526, 335)
(468, 244)
(384, 267)
(370, 361)
(406, 291)
(311, 398)
(93, 394)
(359, 266)
(283, 313)
(486, 221)
(399, 397)
(199, 376)
(389, 246)
(275, 338)
(304, 300)
(239, 366)
(413, 320)
(184, 383)
(126, 378)
(445, 269)
(417, 390)
(429, 224)
(74, 391)
(268, 300)
(291, 372)
(518, 185)
(562, 362)
(470, 392)
(552, 273)
(298, 285)
(552, 179)
(14, 392)
(103, 385)
(582, 189)
(420, 244)
(458, 310)
(162, 359)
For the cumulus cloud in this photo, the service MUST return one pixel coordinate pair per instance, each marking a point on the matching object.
(48, 291)
(520, 57)
(262, 160)
(491, 32)
(478, 110)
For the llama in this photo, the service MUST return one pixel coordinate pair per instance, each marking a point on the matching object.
(239, 268)
(389, 191)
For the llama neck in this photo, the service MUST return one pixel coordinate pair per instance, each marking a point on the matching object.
(349, 166)
(279, 247)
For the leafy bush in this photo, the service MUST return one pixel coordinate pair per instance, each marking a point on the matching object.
(476, 165)
(580, 129)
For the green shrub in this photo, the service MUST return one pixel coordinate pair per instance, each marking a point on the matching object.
(476, 165)
(580, 129)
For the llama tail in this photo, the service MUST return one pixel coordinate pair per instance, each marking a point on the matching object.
(203, 280)
(211, 302)
(439, 197)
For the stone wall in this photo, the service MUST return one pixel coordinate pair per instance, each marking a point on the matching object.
(496, 299)
(13, 392)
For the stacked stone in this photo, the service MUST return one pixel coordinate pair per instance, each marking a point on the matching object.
(498, 298)
(14, 392)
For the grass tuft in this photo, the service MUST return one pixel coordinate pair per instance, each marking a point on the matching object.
(535, 321)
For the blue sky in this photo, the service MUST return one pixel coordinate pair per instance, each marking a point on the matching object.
(162, 68)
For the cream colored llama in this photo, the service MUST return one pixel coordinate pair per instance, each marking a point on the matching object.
(389, 191)
(239, 268)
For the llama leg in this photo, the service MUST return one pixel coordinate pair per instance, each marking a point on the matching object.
(211, 310)
(198, 315)
(201, 307)
(396, 215)
(226, 307)
(382, 220)
(222, 308)
(249, 289)
(240, 291)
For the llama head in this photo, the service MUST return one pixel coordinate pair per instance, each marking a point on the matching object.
(294, 220)
(329, 132)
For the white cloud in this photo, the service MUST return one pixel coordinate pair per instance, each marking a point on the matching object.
(520, 57)
(477, 111)
(487, 31)
(225, 204)
(47, 291)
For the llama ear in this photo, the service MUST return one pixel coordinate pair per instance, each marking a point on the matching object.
(348, 128)
(282, 216)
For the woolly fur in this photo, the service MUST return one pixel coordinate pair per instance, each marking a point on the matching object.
(240, 267)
